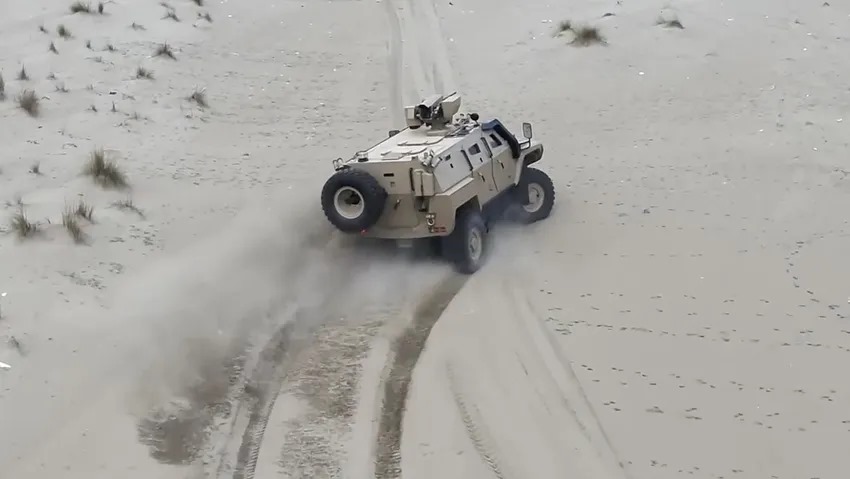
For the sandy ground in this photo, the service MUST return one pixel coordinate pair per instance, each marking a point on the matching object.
(681, 314)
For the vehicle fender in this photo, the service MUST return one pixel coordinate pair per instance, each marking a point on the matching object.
(446, 205)
(530, 155)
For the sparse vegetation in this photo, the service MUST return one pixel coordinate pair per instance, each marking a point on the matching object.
(80, 7)
(199, 97)
(28, 101)
(2, 88)
(128, 205)
(587, 35)
(42, 29)
(199, 3)
(35, 168)
(22, 226)
(104, 172)
(18, 201)
(172, 15)
(136, 26)
(61, 88)
(164, 50)
(72, 226)
(110, 47)
(670, 23)
(564, 26)
(22, 75)
(63, 31)
(88, 44)
(206, 16)
(85, 211)
(142, 72)
(100, 8)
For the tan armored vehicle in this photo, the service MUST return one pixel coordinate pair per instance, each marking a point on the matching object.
(445, 178)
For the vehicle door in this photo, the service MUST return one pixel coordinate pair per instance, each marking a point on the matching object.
(480, 156)
(504, 166)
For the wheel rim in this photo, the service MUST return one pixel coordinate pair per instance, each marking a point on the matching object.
(349, 203)
(475, 245)
(536, 195)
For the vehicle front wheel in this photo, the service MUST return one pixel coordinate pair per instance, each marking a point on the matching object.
(467, 246)
(535, 194)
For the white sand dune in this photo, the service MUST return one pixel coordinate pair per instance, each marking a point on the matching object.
(683, 313)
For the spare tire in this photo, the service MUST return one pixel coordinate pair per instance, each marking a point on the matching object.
(353, 200)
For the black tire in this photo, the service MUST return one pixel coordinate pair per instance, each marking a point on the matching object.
(536, 181)
(469, 224)
(355, 189)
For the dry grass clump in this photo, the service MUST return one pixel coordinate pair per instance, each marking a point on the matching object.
(164, 50)
(22, 226)
(2, 88)
(563, 27)
(586, 36)
(199, 3)
(172, 15)
(205, 16)
(142, 72)
(23, 75)
(199, 97)
(70, 220)
(52, 48)
(670, 23)
(136, 26)
(85, 211)
(63, 31)
(35, 168)
(28, 101)
(80, 7)
(72, 226)
(105, 172)
(128, 205)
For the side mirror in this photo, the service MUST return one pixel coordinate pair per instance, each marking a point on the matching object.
(393, 133)
(527, 131)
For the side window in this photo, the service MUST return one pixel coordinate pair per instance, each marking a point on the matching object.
(494, 140)
(474, 149)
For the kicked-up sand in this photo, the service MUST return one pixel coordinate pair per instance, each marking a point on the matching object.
(682, 313)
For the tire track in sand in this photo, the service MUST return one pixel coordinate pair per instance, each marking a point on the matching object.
(418, 58)
(473, 429)
(405, 353)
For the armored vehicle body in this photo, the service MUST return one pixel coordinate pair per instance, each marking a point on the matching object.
(444, 179)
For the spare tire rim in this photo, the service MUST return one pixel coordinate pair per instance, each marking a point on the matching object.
(475, 245)
(536, 195)
(349, 203)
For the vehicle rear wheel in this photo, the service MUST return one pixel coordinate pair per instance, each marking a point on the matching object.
(353, 200)
(467, 246)
(535, 194)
